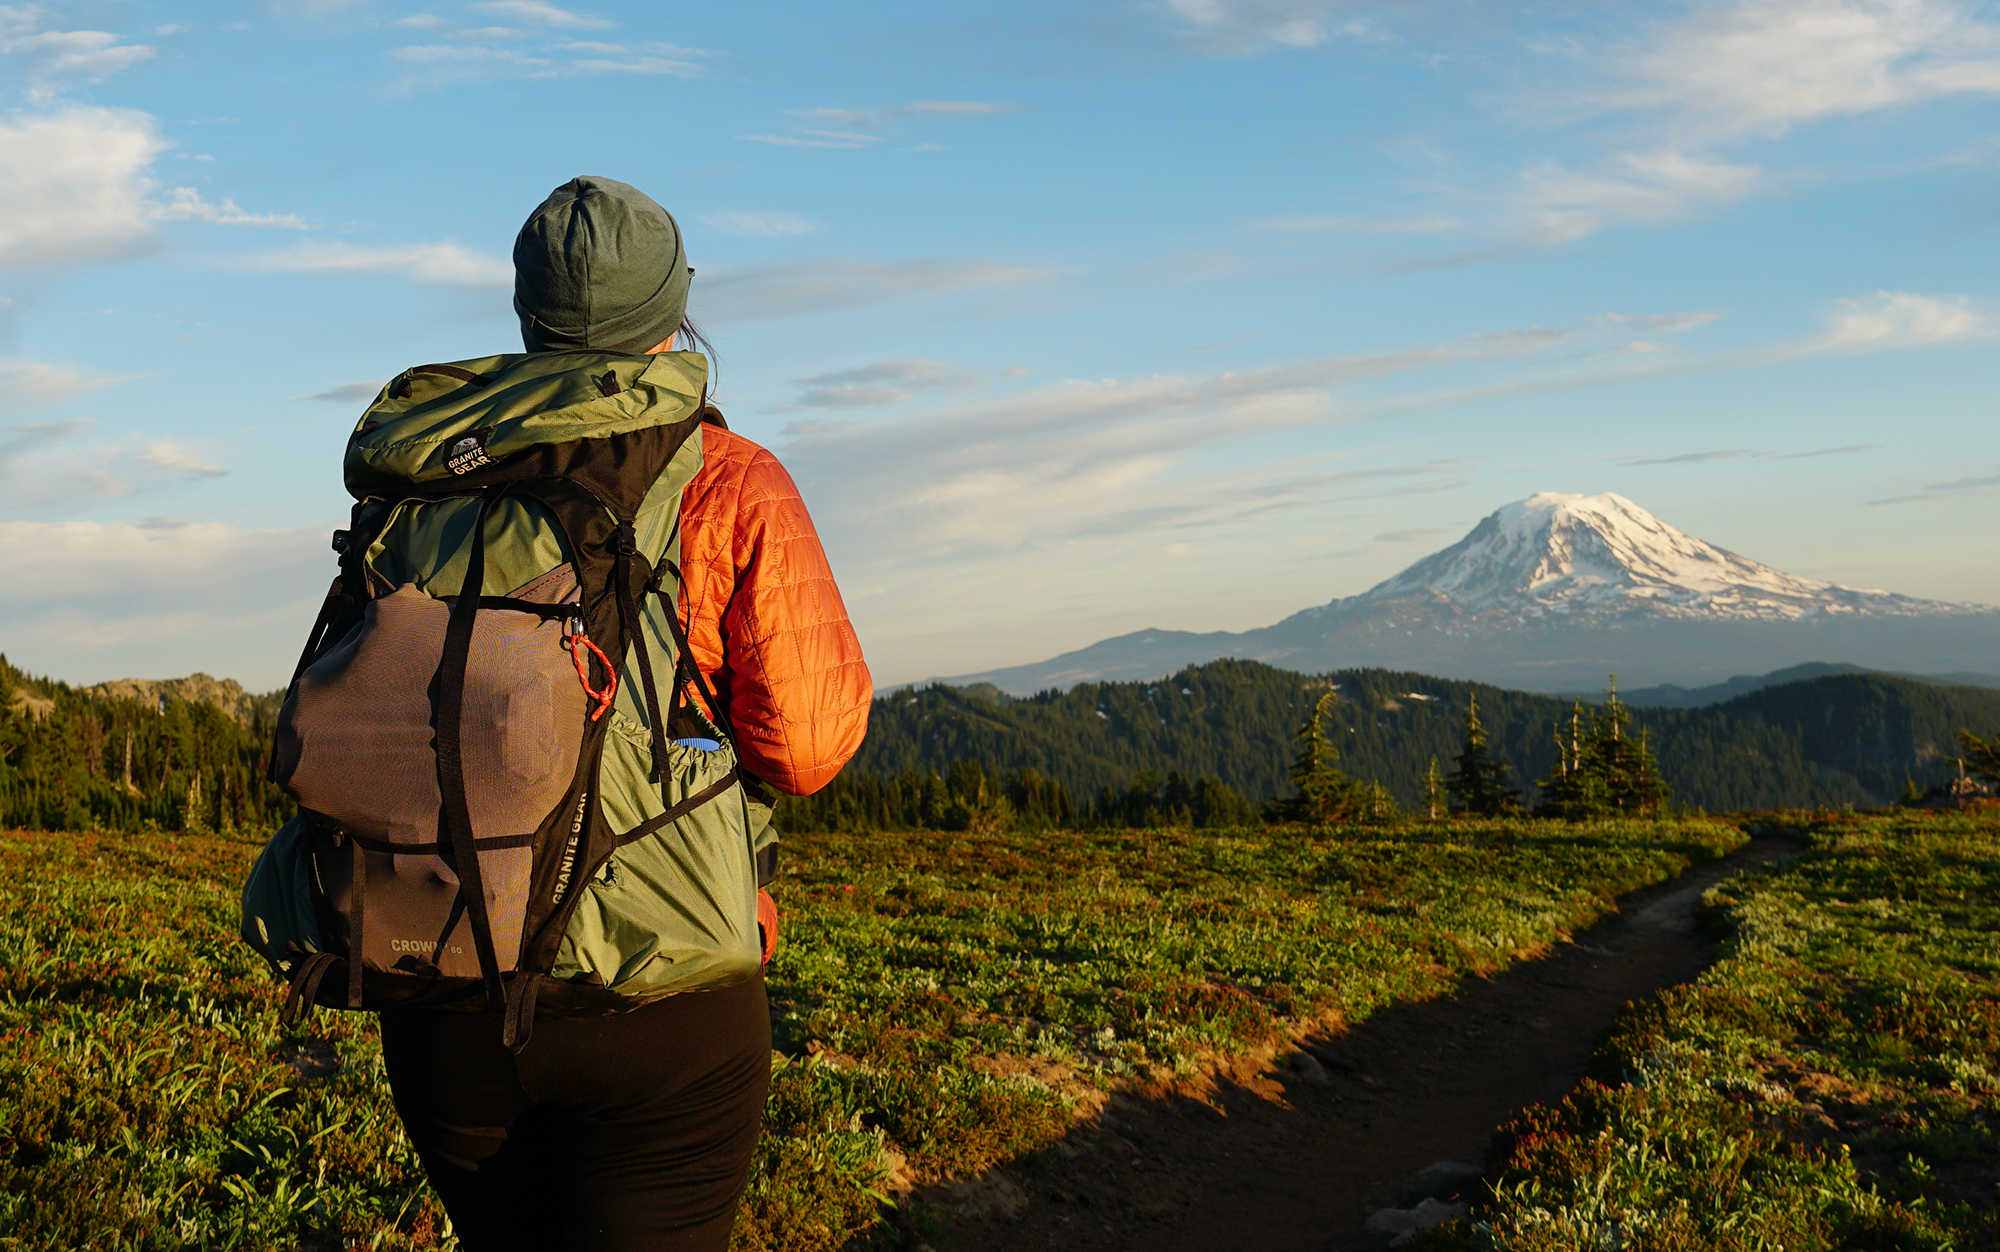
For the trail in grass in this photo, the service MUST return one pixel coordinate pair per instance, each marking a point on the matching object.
(1297, 1158)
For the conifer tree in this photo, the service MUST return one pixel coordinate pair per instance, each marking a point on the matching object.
(1605, 771)
(1623, 763)
(1982, 756)
(1433, 791)
(1478, 780)
(1325, 794)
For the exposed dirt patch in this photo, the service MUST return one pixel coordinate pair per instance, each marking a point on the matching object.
(1294, 1152)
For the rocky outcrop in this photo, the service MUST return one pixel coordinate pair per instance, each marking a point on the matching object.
(224, 693)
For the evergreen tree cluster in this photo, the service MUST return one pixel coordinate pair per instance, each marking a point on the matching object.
(1821, 742)
(969, 796)
(1602, 768)
(72, 761)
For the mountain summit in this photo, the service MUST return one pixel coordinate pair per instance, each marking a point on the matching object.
(1566, 555)
(1555, 592)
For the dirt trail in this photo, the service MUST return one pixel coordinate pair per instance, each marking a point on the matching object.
(1287, 1161)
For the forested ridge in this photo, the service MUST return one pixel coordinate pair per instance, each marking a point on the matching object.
(74, 760)
(1207, 745)
(1844, 739)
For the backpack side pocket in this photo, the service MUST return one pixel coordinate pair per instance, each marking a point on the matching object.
(281, 907)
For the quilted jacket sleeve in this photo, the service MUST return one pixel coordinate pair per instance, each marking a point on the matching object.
(766, 623)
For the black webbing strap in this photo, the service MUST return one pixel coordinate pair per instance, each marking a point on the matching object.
(457, 812)
(716, 712)
(626, 546)
(313, 640)
(491, 843)
(680, 810)
(357, 910)
(685, 670)
(519, 1022)
(451, 922)
(304, 989)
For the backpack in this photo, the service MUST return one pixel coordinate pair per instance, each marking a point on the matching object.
(495, 809)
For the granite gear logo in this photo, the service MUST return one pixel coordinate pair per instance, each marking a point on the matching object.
(467, 453)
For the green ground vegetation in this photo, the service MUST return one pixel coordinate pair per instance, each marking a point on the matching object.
(944, 1002)
(1832, 1083)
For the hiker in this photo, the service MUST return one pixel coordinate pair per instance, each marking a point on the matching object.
(567, 960)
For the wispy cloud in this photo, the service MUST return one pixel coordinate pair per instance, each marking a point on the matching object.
(767, 223)
(1726, 454)
(1902, 319)
(1946, 490)
(1675, 115)
(869, 119)
(1655, 323)
(1688, 458)
(861, 128)
(542, 13)
(1361, 225)
(50, 58)
(445, 264)
(812, 139)
(1236, 27)
(877, 386)
(1757, 68)
(174, 457)
(645, 58)
(185, 204)
(465, 56)
(1100, 457)
(38, 462)
(774, 291)
(38, 381)
(1557, 204)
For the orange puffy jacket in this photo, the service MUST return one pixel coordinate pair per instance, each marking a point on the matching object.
(765, 622)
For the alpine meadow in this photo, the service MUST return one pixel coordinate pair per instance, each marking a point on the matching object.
(1284, 625)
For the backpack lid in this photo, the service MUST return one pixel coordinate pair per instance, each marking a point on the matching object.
(435, 422)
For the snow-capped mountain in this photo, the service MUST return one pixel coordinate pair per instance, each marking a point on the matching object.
(1558, 554)
(1555, 592)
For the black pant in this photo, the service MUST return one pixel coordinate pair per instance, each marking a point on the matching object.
(605, 1134)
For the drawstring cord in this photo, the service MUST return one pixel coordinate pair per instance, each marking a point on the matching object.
(577, 641)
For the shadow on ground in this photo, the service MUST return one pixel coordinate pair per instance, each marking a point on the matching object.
(1294, 1155)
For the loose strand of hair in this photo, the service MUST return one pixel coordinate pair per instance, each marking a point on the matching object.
(693, 340)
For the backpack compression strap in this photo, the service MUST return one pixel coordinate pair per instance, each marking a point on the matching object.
(451, 749)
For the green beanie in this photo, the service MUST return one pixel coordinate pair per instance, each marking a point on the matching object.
(599, 266)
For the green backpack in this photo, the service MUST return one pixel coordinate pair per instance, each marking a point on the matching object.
(494, 806)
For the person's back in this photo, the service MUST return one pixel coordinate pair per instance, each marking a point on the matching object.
(615, 1100)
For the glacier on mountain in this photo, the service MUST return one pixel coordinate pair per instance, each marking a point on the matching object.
(1565, 555)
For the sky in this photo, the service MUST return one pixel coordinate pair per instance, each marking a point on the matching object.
(1070, 319)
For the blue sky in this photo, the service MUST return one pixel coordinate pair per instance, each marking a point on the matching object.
(1070, 319)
